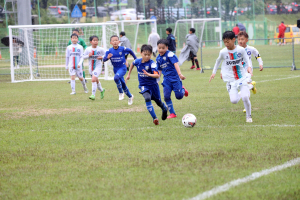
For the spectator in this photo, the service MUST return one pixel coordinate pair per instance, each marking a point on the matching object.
(171, 40)
(281, 30)
(236, 30)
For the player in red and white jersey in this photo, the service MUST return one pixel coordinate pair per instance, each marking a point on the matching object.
(233, 71)
(74, 59)
(95, 55)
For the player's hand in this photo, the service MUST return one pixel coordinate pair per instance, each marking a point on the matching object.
(90, 54)
(249, 70)
(127, 78)
(99, 58)
(212, 77)
(181, 77)
(109, 55)
(221, 76)
(145, 72)
(261, 67)
(78, 66)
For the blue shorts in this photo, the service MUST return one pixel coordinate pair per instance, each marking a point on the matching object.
(153, 90)
(175, 86)
(120, 71)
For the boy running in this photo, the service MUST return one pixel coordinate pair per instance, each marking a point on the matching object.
(116, 54)
(167, 63)
(95, 55)
(147, 75)
(233, 72)
(74, 59)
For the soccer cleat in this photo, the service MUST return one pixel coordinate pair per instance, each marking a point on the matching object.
(164, 114)
(186, 93)
(102, 93)
(85, 89)
(192, 67)
(155, 121)
(121, 96)
(72, 93)
(198, 68)
(244, 111)
(92, 97)
(130, 100)
(254, 87)
(249, 119)
(172, 115)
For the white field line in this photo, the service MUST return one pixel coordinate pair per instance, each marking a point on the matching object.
(253, 176)
(278, 79)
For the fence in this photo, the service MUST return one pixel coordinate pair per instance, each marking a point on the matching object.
(272, 54)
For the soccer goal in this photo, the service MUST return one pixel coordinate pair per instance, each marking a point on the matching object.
(38, 51)
(137, 31)
(208, 29)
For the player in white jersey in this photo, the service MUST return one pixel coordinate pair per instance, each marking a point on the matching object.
(95, 55)
(233, 71)
(74, 59)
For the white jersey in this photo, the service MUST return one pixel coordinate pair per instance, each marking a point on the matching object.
(232, 67)
(74, 56)
(93, 62)
(152, 40)
(253, 51)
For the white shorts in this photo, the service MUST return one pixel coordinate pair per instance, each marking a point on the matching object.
(234, 87)
(77, 72)
(96, 71)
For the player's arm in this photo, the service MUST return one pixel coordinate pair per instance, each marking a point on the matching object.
(129, 72)
(154, 71)
(131, 53)
(86, 54)
(178, 71)
(246, 60)
(83, 44)
(217, 64)
(107, 56)
(67, 59)
(258, 58)
(80, 58)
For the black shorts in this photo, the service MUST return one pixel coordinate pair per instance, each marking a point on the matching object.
(192, 55)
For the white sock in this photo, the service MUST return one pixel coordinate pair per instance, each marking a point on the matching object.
(94, 88)
(100, 87)
(73, 85)
(245, 94)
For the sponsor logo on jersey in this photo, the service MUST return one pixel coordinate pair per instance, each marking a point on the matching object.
(239, 55)
(233, 62)
(98, 53)
(249, 53)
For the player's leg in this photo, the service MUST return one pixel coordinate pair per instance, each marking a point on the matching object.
(72, 73)
(150, 108)
(167, 87)
(121, 73)
(119, 85)
(79, 74)
(197, 63)
(179, 90)
(83, 73)
(245, 95)
(233, 93)
(193, 61)
(155, 95)
(127, 64)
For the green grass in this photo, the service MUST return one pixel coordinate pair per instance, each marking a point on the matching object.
(57, 146)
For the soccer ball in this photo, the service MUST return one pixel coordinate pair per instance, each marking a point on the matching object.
(189, 120)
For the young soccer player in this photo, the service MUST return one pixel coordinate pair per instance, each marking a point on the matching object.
(147, 75)
(124, 41)
(74, 59)
(116, 54)
(233, 72)
(82, 43)
(167, 64)
(95, 54)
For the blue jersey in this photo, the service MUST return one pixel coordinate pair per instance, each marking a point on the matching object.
(165, 63)
(118, 58)
(149, 67)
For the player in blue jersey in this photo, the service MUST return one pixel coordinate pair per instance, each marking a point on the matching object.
(116, 54)
(147, 76)
(167, 64)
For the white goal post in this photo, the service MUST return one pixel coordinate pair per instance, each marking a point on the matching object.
(211, 28)
(38, 51)
(134, 33)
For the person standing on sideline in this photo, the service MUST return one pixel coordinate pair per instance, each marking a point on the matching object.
(236, 30)
(124, 42)
(152, 40)
(281, 30)
(171, 40)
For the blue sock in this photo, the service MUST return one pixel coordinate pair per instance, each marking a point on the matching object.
(127, 92)
(170, 107)
(119, 85)
(151, 109)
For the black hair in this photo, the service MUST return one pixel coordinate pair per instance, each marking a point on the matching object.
(228, 35)
(74, 35)
(193, 30)
(75, 30)
(163, 41)
(282, 22)
(169, 29)
(122, 33)
(146, 47)
(92, 37)
(236, 25)
(114, 36)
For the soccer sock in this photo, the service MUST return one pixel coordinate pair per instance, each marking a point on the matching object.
(83, 73)
(119, 85)
(94, 88)
(197, 63)
(193, 61)
(127, 92)
(245, 94)
(73, 85)
(170, 106)
(100, 87)
(83, 82)
(150, 108)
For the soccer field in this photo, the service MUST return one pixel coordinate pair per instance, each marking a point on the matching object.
(54, 145)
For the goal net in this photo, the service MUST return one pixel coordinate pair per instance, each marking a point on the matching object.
(137, 31)
(38, 52)
(208, 30)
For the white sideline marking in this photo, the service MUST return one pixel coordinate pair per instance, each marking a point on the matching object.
(246, 179)
(278, 79)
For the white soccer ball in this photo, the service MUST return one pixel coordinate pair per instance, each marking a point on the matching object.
(189, 120)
